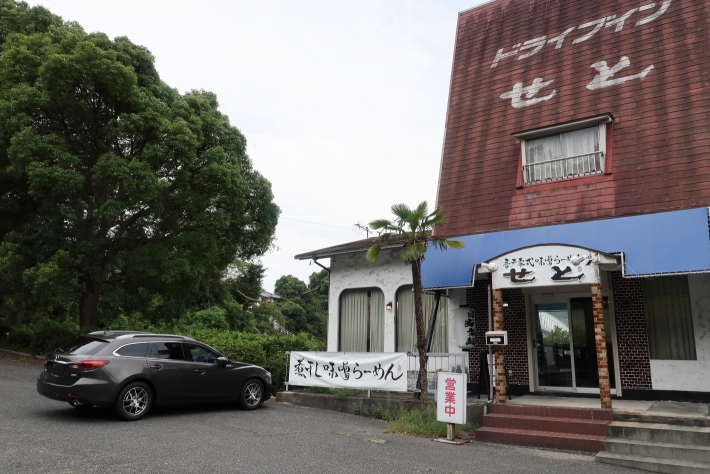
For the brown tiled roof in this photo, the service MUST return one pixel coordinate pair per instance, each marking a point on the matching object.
(350, 247)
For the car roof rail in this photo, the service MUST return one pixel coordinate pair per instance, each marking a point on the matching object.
(156, 336)
(107, 332)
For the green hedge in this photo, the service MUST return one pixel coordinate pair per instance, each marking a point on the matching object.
(43, 337)
(266, 351)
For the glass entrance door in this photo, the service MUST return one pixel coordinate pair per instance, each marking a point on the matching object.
(554, 346)
(565, 346)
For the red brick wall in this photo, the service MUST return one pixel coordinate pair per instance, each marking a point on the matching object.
(631, 333)
(516, 354)
(660, 142)
(477, 300)
(514, 321)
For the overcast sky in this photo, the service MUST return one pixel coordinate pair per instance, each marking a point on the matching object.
(342, 103)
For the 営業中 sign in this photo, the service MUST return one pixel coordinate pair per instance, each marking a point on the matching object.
(451, 398)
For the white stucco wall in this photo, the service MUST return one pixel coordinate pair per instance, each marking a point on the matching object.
(690, 375)
(388, 273)
(352, 271)
(457, 297)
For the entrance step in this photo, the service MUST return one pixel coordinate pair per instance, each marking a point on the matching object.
(659, 432)
(574, 429)
(657, 447)
(688, 452)
(554, 412)
(554, 425)
(670, 466)
(540, 439)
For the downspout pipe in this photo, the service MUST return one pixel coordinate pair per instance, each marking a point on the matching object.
(315, 260)
(490, 349)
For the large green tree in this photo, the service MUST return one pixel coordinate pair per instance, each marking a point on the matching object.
(111, 181)
(412, 229)
(305, 306)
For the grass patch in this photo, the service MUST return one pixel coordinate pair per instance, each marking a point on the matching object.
(413, 423)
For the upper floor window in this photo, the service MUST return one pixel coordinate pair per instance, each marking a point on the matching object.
(564, 151)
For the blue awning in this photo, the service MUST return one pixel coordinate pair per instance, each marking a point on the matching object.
(653, 244)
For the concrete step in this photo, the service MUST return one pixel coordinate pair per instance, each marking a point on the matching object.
(552, 412)
(687, 452)
(659, 432)
(541, 439)
(541, 423)
(682, 420)
(669, 466)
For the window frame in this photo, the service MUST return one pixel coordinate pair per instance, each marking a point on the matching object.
(187, 352)
(149, 354)
(605, 133)
(147, 350)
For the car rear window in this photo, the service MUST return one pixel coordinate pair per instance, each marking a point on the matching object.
(133, 350)
(83, 346)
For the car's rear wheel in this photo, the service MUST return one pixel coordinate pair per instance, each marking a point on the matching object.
(252, 394)
(81, 406)
(134, 401)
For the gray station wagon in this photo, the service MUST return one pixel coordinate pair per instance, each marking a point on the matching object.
(134, 371)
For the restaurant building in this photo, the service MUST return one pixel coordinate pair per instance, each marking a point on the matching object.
(576, 170)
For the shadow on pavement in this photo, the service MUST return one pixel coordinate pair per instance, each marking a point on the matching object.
(92, 415)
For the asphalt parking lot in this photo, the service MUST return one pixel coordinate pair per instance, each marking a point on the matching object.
(38, 435)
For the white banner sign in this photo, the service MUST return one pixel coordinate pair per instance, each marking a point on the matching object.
(451, 398)
(356, 370)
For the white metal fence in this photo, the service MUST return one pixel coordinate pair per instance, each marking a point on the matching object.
(436, 362)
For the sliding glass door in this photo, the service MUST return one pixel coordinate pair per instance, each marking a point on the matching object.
(565, 348)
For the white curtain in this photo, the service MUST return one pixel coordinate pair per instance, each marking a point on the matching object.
(406, 326)
(353, 321)
(362, 321)
(377, 321)
(669, 318)
(583, 142)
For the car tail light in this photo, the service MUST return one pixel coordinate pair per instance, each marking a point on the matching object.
(87, 364)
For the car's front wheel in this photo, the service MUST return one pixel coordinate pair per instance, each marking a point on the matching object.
(133, 401)
(252, 394)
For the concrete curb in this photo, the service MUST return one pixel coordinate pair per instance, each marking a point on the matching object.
(345, 404)
(24, 354)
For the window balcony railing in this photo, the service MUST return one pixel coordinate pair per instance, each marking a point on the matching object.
(562, 168)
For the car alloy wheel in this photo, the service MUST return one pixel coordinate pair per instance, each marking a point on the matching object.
(134, 401)
(252, 394)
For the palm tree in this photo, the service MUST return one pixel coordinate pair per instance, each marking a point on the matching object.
(412, 229)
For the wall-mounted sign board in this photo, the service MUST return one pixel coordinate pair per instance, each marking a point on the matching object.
(497, 338)
(546, 265)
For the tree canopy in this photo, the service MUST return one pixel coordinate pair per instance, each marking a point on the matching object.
(116, 191)
(305, 306)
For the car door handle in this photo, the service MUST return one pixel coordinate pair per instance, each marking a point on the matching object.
(156, 366)
(200, 371)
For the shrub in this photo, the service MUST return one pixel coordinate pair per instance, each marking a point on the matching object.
(266, 351)
(20, 338)
(210, 318)
(4, 329)
(51, 336)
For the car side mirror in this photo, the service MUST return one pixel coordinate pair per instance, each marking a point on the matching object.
(222, 361)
